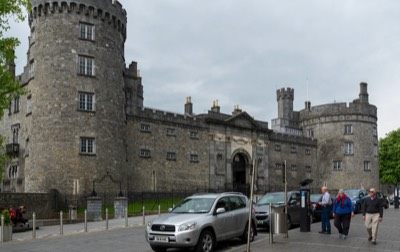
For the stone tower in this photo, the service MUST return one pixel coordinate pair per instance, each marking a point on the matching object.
(285, 103)
(72, 135)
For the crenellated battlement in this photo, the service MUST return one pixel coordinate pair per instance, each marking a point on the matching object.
(285, 93)
(109, 11)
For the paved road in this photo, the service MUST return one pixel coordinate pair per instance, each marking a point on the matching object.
(120, 238)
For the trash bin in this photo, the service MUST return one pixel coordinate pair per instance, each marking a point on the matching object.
(278, 219)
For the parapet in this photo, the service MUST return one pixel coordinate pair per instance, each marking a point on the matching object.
(285, 94)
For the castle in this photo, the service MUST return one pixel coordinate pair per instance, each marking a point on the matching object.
(83, 123)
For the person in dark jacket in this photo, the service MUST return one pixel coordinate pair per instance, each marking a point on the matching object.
(372, 214)
(343, 210)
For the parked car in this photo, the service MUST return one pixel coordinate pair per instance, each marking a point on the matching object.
(381, 196)
(278, 198)
(202, 220)
(355, 195)
(316, 209)
(391, 199)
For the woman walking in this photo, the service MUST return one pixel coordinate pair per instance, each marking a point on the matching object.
(343, 210)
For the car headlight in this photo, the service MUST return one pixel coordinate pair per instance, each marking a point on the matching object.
(149, 224)
(187, 226)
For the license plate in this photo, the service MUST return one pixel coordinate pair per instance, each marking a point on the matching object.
(260, 222)
(161, 238)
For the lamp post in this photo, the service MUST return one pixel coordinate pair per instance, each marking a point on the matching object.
(93, 194)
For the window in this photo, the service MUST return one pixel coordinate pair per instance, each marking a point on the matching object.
(337, 165)
(293, 167)
(13, 171)
(145, 128)
(16, 104)
(171, 156)
(33, 36)
(293, 149)
(88, 146)
(348, 148)
(86, 101)
(145, 153)
(194, 135)
(307, 151)
(374, 132)
(194, 158)
(277, 147)
(308, 168)
(86, 31)
(29, 104)
(310, 133)
(31, 72)
(171, 132)
(375, 150)
(85, 65)
(278, 166)
(15, 133)
(348, 129)
(367, 166)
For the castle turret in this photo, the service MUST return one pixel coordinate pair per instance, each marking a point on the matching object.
(363, 97)
(285, 103)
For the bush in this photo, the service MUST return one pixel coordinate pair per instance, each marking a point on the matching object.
(7, 217)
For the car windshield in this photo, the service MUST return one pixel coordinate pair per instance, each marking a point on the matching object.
(352, 194)
(272, 198)
(315, 197)
(194, 205)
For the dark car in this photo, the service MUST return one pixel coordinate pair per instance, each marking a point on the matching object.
(278, 198)
(355, 195)
(381, 196)
(316, 209)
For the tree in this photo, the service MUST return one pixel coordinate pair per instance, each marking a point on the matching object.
(389, 158)
(9, 86)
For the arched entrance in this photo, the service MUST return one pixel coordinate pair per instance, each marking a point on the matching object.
(239, 179)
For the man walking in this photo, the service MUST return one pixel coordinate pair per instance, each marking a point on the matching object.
(326, 203)
(372, 214)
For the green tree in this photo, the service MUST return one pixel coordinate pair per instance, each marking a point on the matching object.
(9, 87)
(389, 158)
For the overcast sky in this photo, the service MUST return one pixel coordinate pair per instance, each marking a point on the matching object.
(241, 52)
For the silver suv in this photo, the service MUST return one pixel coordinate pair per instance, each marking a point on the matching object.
(202, 220)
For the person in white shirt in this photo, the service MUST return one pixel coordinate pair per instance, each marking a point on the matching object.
(325, 203)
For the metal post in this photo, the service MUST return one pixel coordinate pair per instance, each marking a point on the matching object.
(106, 218)
(286, 203)
(159, 210)
(33, 225)
(85, 225)
(2, 229)
(126, 216)
(271, 238)
(250, 206)
(61, 223)
(144, 217)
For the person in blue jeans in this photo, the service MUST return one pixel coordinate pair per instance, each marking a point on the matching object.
(325, 203)
(343, 210)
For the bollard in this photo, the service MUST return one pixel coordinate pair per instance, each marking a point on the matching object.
(85, 225)
(33, 225)
(159, 210)
(126, 216)
(106, 218)
(144, 217)
(2, 229)
(61, 223)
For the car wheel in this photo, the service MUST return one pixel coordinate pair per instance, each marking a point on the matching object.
(288, 222)
(245, 233)
(158, 249)
(206, 242)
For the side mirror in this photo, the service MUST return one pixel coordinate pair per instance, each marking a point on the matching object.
(220, 210)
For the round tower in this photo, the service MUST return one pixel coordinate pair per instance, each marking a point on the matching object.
(76, 127)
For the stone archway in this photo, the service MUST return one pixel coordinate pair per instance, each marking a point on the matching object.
(240, 168)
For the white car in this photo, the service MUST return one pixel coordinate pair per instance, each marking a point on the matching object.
(202, 220)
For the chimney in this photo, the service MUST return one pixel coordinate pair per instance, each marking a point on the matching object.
(188, 106)
(215, 107)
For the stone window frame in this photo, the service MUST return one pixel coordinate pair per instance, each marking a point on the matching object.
(348, 148)
(145, 128)
(86, 101)
(86, 31)
(145, 153)
(16, 104)
(31, 72)
(337, 165)
(348, 129)
(310, 133)
(171, 155)
(376, 150)
(367, 166)
(293, 167)
(308, 168)
(170, 131)
(307, 151)
(278, 166)
(29, 105)
(87, 146)
(13, 171)
(277, 147)
(293, 149)
(194, 158)
(86, 65)
(194, 134)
